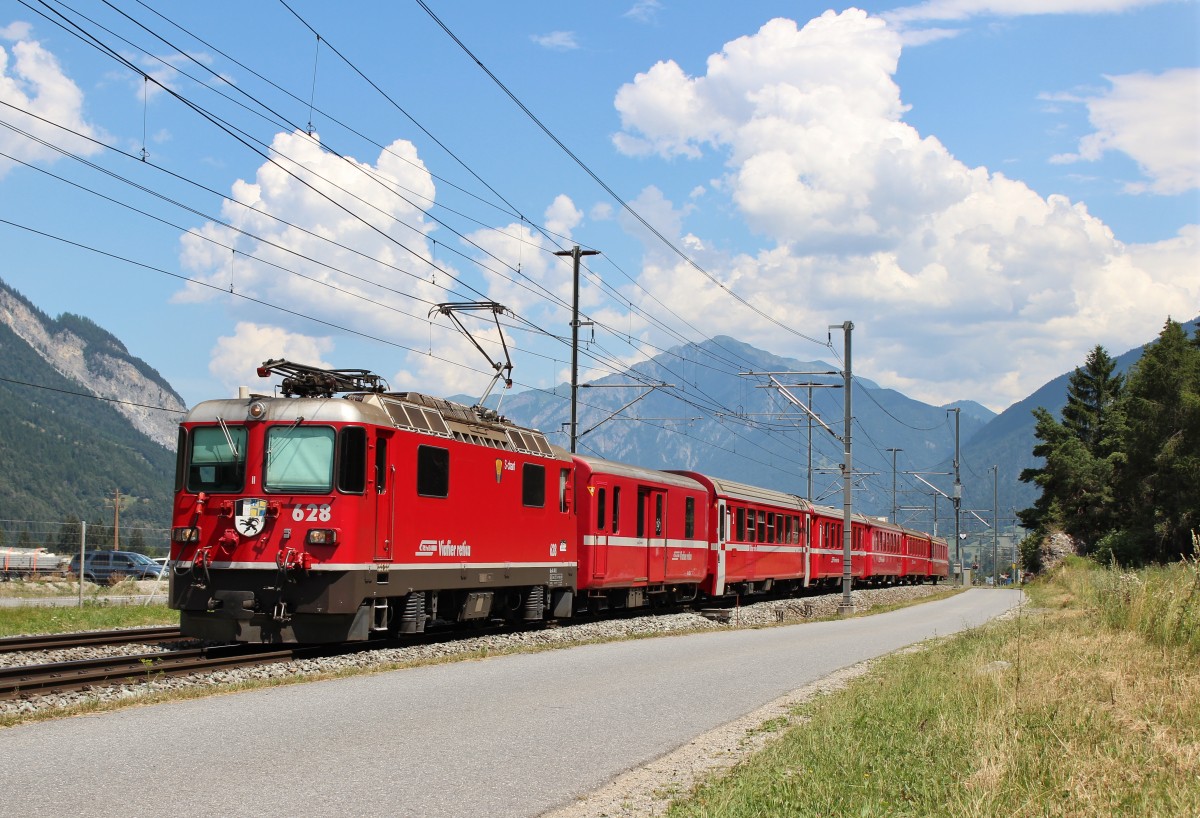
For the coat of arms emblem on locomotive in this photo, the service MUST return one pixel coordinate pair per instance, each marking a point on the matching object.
(250, 517)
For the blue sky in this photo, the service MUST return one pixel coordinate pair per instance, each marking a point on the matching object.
(986, 191)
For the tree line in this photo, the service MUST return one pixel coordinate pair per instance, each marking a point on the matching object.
(1121, 468)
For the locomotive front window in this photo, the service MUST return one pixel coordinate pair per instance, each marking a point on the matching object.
(299, 458)
(213, 464)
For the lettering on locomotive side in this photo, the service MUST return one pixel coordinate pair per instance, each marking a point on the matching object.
(680, 556)
(443, 548)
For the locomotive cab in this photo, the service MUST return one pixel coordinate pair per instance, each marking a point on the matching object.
(326, 517)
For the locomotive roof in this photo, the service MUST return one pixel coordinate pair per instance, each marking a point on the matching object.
(413, 411)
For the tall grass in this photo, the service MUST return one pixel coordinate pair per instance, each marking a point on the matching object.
(1050, 714)
(1161, 603)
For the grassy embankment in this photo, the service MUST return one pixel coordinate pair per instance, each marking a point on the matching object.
(1086, 704)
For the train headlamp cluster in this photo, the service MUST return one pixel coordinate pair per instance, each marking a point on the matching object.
(257, 410)
(321, 536)
(185, 534)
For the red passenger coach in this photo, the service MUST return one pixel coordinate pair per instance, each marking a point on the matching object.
(643, 533)
(318, 518)
(758, 535)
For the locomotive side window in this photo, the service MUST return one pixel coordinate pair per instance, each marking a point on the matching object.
(564, 497)
(689, 517)
(381, 465)
(352, 460)
(433, 471)
(658, 515)
(533, 485)
(299, 458)
(214, 465)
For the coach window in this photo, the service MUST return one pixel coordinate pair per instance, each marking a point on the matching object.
(352, 460)
(762, 527)
(533, 485)
(689, 517)
(658, 515)
(299, 459)
(433, 471)
(770, 528)
(601, 519)
(218, 458)
(616, 526)
(741, 525)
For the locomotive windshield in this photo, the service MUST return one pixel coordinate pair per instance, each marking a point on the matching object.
(299, 458)
(217, 460)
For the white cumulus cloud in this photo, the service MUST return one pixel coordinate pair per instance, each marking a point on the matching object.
(33, 83)
(1155, 120)
(960, 281)
(235, 359)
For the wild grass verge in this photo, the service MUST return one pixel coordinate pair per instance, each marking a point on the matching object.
(30, 619)
(1063, 710)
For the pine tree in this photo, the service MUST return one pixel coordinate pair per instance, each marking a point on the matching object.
(1160, 480)
(1093, 392)
(1080, 455)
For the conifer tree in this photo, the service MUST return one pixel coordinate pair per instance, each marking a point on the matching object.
(1160, 479)
(1080, 455)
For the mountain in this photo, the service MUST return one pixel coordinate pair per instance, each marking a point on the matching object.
(64, 454)
(725, 424)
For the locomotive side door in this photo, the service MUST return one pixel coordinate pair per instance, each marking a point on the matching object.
(385, 512)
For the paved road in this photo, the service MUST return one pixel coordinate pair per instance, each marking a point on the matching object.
(507, 736)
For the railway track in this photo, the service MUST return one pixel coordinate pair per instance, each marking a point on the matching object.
(59, 641)
(81, 674)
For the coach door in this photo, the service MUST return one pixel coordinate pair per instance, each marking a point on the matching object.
(652, 531)
(723, 526)
(599, 547)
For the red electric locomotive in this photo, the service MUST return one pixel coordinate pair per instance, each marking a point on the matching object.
(315, 518)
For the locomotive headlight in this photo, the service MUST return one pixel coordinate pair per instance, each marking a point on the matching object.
(185, 534)
(321, 536)
(257, 410)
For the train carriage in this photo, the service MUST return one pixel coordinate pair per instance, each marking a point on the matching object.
(883, 556)
(643, 535)
(317, 518)
(758, 537)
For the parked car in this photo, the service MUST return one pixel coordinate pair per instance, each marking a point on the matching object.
(103, 566)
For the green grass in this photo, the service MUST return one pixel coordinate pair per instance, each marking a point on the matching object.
(30, 619)
(1059, 712)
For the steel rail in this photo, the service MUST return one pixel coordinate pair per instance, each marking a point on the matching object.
(58, 641)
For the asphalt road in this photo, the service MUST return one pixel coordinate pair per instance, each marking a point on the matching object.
(507, 736)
